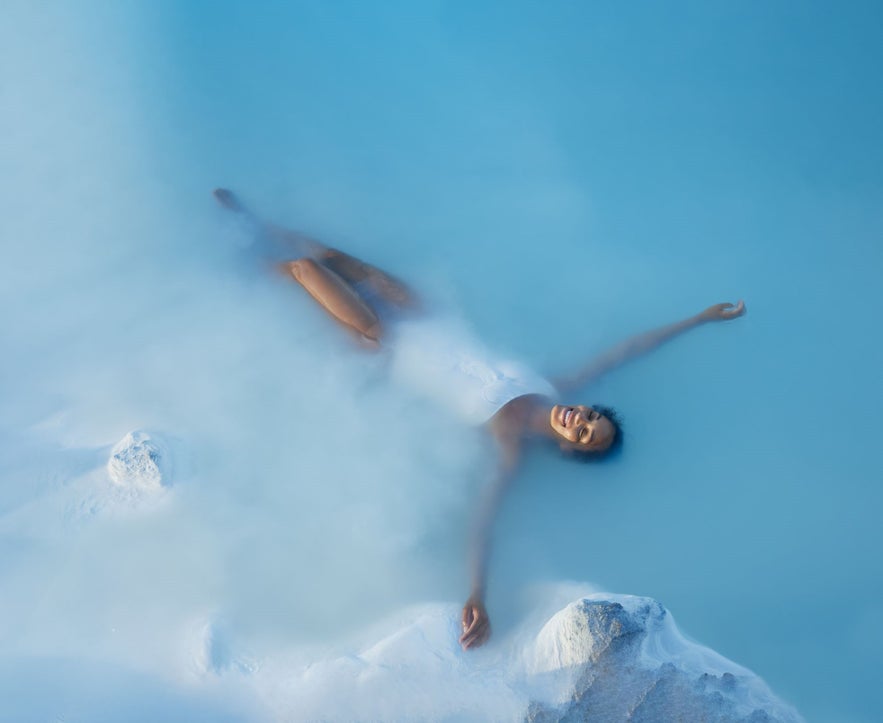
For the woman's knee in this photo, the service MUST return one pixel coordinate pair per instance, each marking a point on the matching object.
(301, 269)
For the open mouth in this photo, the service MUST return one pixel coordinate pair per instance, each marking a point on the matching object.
(566, 414)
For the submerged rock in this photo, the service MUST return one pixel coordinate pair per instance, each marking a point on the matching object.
(139, 462)
(625, 661)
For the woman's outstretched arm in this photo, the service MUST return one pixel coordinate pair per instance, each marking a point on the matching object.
(475, 620)
(643, 343)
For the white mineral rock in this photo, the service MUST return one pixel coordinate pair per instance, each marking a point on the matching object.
(139, 462)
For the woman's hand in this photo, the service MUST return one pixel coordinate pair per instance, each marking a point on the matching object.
(723, 312)
(476, 624)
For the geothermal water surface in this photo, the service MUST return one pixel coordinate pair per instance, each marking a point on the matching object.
(561, 176)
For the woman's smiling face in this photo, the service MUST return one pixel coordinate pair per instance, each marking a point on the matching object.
(581, 428)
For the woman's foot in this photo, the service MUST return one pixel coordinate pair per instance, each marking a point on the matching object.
(271, 240)
(228, 200)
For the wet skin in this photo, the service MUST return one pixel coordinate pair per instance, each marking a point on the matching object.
(581, 428)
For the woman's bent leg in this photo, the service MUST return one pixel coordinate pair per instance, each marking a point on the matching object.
(348, 268)
(355, 271)
(336, 296)
(272, 241)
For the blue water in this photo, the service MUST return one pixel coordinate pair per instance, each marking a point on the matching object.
(564, 174)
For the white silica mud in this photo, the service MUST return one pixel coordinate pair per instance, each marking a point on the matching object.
(601, 657)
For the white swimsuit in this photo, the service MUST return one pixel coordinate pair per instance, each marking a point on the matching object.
(441, 360)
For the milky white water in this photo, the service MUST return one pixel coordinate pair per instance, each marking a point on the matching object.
(560, 177)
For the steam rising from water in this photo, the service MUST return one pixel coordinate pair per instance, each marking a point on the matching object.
(124, 313)
(310, 497)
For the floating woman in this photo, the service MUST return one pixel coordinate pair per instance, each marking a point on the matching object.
(514, 404)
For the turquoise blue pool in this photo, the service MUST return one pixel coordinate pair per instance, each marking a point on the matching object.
(563, 175)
